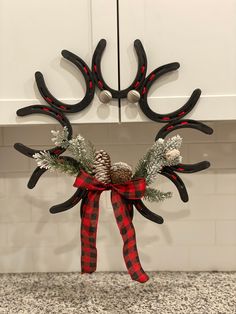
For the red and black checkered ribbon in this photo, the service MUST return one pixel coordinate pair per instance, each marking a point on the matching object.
(120, 196)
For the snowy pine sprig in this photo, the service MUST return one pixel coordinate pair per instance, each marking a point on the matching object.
(45, 160)
(83, 151)
(161, 154)
(61, 137)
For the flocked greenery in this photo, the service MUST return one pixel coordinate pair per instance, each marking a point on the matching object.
(161, 154)
(156, 158)
(54, 163)
(82, 151)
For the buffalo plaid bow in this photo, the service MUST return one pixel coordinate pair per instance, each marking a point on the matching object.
(120, 196)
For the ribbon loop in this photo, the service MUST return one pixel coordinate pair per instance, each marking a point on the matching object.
(133, 189)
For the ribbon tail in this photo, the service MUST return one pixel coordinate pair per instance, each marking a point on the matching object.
(124, 221)
(89, 221)
(130, 208)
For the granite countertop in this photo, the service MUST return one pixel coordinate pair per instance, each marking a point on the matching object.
(165, 292)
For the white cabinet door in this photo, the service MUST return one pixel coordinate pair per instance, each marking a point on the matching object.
(201, 36)
(32, 35)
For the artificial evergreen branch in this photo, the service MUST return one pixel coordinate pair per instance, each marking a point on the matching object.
(61, 137)
(160, 155)
(83, 151)
(53, 163)
(154, 195)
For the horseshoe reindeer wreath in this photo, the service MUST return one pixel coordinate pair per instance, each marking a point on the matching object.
(94, 171)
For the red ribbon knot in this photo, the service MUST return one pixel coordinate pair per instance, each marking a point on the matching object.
(120, 196)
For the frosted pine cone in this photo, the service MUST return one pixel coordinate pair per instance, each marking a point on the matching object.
(120, 173)
(101, 167)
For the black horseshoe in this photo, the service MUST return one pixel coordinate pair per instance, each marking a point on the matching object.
(38, 172)
(45, 110)
(70, 203)
(140, 76)
(191, 168)
(181, 124)
(29, 152)
(192, 124)
(173, 177)
(90, 87)
(147, 213)
(33, 180)
(168, 117)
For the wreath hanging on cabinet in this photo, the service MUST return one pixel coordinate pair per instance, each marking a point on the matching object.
(94, 171)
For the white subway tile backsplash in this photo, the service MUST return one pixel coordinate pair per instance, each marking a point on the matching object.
(64, 184)
(164, 258)
(96, 133)
(226, 232)
(33, 234)
(3, 234)
(46, 188)
(28, 135)
(198, 235)
(110, 258)
(108, 233)
(176, 233)
(16, 184)
(68, 233)
(225, 131)
(212, 207)
(1, 136)
(12, 161)
(213, 258)
(40, 213)
(8, 212)
(137, 134)
(225, 181)
(194, 233)
(16, 260)
(3, 191)
(56, 259)
(203, 182)
(221, 155)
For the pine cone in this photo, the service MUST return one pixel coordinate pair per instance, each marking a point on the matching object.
(120, 173)
(101, 166)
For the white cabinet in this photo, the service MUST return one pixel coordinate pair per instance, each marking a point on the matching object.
(32, 35)
(200, 35)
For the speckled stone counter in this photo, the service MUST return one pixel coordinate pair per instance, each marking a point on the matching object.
(166, 292)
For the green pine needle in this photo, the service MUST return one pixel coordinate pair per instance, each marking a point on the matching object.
(154, 195)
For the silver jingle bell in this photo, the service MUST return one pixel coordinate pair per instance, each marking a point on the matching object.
(105, 96)
(133, 96)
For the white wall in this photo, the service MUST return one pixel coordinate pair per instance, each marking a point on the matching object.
(199, 235)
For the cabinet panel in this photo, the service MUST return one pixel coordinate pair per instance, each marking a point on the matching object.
(32, 35)
(200, 35)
